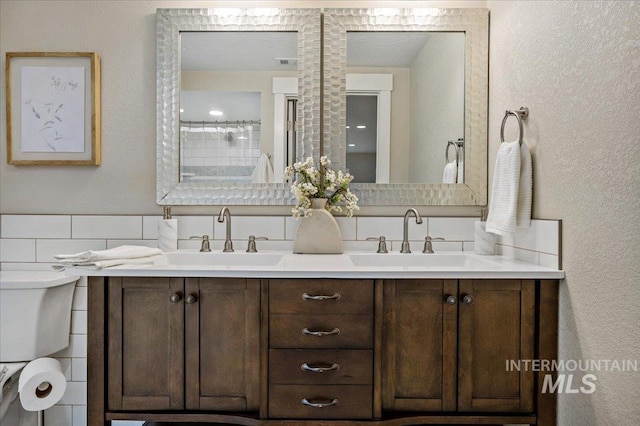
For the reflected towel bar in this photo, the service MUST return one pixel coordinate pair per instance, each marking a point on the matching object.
(459, 144)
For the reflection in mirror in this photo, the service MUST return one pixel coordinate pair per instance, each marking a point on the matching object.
(258, 68)
(426, 73)
(428, 69)
(227, 104)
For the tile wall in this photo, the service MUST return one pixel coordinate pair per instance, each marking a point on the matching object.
(30, 242)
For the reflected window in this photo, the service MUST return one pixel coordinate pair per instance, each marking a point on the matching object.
(362, 136)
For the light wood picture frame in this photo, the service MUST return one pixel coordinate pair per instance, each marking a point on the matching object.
(53, 108)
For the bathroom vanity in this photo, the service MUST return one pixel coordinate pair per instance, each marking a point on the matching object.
(320, 340)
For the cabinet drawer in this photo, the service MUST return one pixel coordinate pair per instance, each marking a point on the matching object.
(336, 331)
(343, 402)
(341, 367)
(321, 296)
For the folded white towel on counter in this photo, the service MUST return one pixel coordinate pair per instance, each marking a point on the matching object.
(98, 259)
(503, 204)
(263, 173)
(450, 173)
(101, 264)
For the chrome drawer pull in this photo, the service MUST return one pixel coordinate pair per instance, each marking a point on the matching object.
(307, 296)
(308, 403)
(307, 367)
(308, 332)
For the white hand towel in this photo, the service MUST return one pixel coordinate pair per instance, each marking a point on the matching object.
(100, 264)
(116, 253)
(450, 172)
(460, 178)
(525, 190)
(504, 190)
(263, 173)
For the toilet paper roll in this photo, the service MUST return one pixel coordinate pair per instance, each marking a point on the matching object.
(41, 384)
(168, 234)
(484, 242)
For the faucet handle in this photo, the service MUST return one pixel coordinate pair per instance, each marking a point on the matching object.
(382, 243)
(251, 247)
(428, 247)
(205, 247)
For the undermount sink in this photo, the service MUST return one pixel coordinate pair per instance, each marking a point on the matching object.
(223, 259)
(420, 260)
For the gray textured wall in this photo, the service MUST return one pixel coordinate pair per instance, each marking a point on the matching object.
(576, 66)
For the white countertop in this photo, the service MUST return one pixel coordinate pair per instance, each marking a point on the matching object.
(281, 264)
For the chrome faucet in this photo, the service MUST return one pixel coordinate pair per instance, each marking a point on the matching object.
(225, 214)
(405, 229)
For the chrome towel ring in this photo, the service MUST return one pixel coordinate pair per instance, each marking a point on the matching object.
(519, 114)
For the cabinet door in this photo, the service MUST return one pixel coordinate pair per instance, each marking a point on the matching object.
(419, 345)
(146, 351)
(496, 325)
(222, 344)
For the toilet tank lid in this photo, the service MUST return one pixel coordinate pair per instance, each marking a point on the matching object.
(12, 280)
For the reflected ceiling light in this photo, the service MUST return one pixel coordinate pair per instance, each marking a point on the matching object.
(361, 127)
(348, 127)
(352, 144)
(181, 109)
(216, 113)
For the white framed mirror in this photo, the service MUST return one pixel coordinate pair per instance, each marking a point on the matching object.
(230, 82)
(431, 71)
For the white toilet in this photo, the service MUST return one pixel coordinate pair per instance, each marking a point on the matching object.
(35, 320)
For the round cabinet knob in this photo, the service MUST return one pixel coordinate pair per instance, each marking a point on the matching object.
(174, 298)
(190, 299)
(468, 299)
(451, 300)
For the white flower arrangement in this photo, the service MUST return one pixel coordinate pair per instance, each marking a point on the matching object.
(322, 182)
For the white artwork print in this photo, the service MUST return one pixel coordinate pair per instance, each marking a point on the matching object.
(53, 109)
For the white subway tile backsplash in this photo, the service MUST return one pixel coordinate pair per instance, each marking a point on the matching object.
(65, 364)
(79, 369)
(21, 266)
(79, 322)
(146, 243)
(108, 227)
(389, 227)
(59, 415)
(542, 236)
(77, 347)
(347, 227)
(189, 226)
(79, 299)
(79, 415)
(549, 260)
(46, 249)
(36, 226)
(290, 226)
(452, 228)
(75, 394)
(271, 227)
(17, 250)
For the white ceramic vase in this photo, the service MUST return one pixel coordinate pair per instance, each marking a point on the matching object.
(318, 233)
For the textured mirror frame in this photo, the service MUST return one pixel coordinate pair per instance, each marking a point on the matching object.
(475, 24)
(169, 24)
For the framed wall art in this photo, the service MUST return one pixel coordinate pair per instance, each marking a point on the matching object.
(53, 108)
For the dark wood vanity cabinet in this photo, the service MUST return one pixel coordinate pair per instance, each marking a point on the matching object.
(176, 344)
(447, 343)
(315, 351)
(321, 338)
